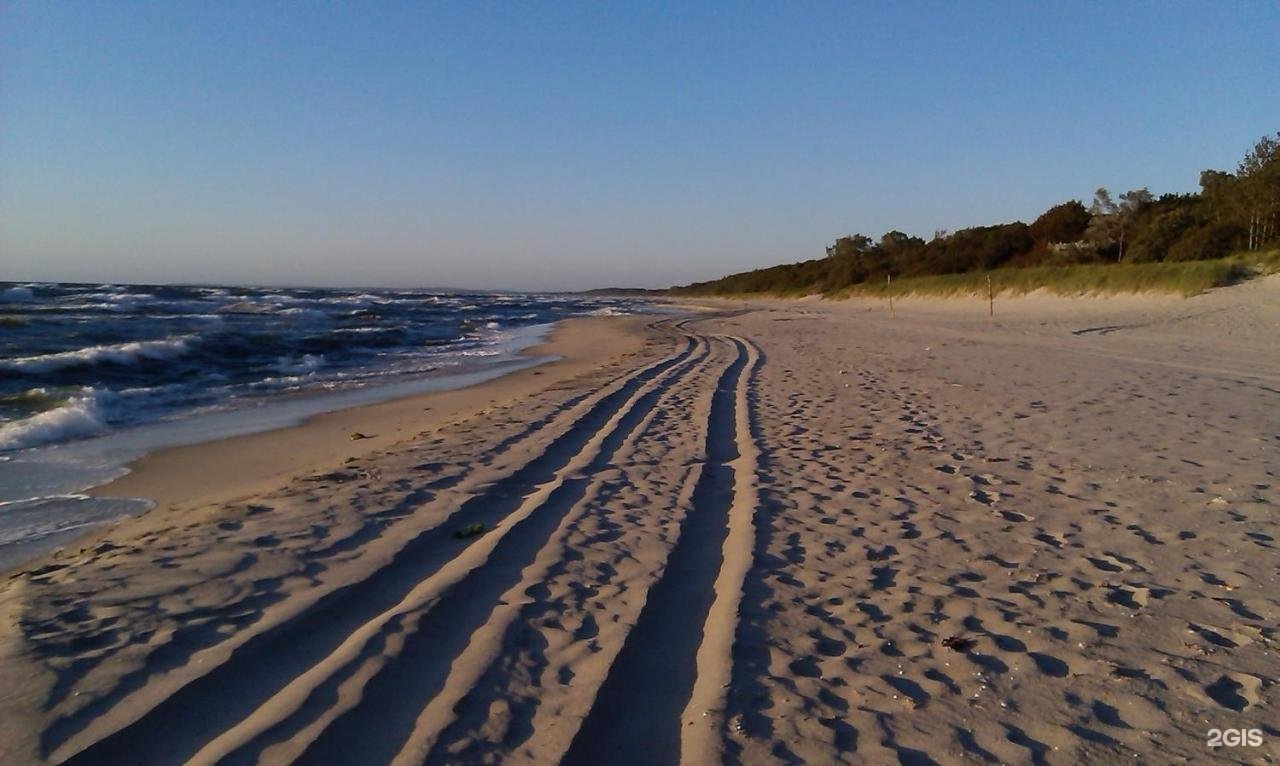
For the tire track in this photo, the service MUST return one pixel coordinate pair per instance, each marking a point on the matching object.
(565, 636)
(271, 659)
(485, 645)
(330, 711)
(637, 714)
(704, 717)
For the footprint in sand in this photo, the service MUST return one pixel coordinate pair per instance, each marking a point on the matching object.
(1050, 665)
(1239, 608)
(1236, 691)
(1146, 536)
(829, 647)
(1048, 539)
(910, 690)
(1130, 597)
(984, 497)
(1105, 563)
(1220, 637)
(1210, 578)
(1102, 629)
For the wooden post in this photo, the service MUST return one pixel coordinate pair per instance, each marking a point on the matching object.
(888, 282)
(991, 298)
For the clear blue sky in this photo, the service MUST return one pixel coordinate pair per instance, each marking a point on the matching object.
(545, 145)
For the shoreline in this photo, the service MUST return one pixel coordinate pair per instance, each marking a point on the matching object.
(780, 525)
(220, 470)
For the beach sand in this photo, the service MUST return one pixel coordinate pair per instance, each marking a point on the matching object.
(764, 532)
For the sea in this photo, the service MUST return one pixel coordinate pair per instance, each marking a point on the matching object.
(94, 376)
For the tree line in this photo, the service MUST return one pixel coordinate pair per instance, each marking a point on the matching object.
(1232, 212)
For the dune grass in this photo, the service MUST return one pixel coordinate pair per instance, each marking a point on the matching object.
(1181, 278)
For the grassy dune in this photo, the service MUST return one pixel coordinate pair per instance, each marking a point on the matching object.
(1182, 278)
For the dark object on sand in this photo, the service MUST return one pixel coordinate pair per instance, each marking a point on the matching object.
(356, 436)
(958, 643)
(470, 530)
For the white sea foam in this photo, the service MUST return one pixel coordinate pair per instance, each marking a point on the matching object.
(250, 307)
(303, 365)
(94, 306)
(120, 353)
(78, 417)
(33, 518)
(305, 313)
(363, 300)
(357, 330)
(121, 295)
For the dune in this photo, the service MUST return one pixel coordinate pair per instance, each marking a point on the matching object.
(753, 532)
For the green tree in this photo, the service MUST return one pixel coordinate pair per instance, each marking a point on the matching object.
(1061, 223)
(1103, 227)
(1131, 205)
(1259, 176)
(1111, 221)
(851, 245)
(1162, 224)
(1218, 195)
(1212, 241)
(897, 251)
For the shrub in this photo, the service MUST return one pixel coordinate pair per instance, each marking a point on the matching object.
(1214, 241)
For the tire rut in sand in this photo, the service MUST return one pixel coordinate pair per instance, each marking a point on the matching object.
(637, 714)
(271, 660)
(578, 603)
(385, 710)
(702, 739)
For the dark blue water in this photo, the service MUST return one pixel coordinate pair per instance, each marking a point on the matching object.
(78, 360)
(93, 377)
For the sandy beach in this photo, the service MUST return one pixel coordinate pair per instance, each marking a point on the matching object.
(757, 532)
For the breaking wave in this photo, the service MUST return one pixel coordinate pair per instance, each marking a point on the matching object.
(120, 353)
(77, 417)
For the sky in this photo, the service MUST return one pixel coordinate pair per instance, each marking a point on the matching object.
(540, 146)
